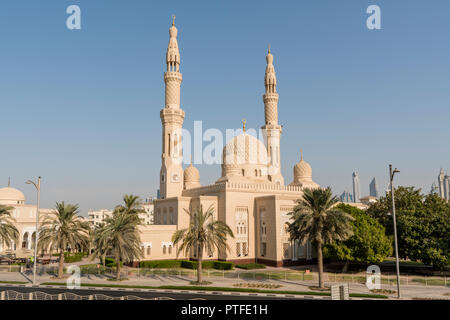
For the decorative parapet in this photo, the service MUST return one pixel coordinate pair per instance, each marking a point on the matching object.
(243, 187)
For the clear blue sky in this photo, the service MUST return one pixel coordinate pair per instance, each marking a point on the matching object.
(81, 108)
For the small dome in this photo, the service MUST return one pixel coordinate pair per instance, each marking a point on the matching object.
(11, 196)
(191, 174)
(302, 170)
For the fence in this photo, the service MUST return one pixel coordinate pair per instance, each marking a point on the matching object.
(260, 275)
(38, 295)
(387, 279)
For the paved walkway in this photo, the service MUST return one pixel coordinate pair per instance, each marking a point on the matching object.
(408, 292)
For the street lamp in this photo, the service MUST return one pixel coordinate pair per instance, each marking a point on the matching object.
(391, 177)
(38, 188)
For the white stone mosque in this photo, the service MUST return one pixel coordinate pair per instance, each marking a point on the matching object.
(250, 196)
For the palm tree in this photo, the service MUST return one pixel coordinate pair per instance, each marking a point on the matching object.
(64, 229)
(119, 236)
(100, 244)
(203, 233)
(8, 232)
(318, 221)
(132, 205)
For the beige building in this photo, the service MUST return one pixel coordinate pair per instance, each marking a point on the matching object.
(95, 218)
(25, 221)
(250, 195)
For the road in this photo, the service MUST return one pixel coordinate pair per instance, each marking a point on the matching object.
(151, 294)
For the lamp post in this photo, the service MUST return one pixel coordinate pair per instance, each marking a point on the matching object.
(38, 189)
(391, 177)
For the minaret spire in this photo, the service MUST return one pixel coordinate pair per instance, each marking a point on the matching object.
(172, 117)
(272, 128)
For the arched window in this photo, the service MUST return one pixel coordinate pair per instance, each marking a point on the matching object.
(149, 250)
(244, 249)
(25, 241)
(243, 172)
(164, 249)
(238, 249)
(170, 249)
(33, 239)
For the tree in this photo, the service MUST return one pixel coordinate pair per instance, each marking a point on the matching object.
(120, 235)
(316, 219)
(369, 243)
(64, 229)
(8, 232)
(132, 205)
(203, 233)
(422, 224)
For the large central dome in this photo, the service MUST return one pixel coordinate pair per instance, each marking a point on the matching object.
(245, 156)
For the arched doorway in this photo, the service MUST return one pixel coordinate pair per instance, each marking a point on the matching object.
(25, 241)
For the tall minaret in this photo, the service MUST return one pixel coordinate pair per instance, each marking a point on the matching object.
(172, 116)
(272, 129)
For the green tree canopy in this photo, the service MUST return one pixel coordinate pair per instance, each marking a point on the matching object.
(423, 224)
(369, 243)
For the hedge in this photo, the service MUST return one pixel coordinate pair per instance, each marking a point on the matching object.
(250, 266)
(168, 264)
(111, 263)
(160, 264)
(74, 257)
(222, 265)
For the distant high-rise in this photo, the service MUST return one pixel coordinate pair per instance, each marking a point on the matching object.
(373, 189)
(356, 187)
(346, 197)
(444, 185)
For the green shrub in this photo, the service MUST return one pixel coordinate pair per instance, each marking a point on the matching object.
(194, 264)
(160, 264)
(111, 263)
(250, 266)
(74, 257)
(222, 265)
(189, 264)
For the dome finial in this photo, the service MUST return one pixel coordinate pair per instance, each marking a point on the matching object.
(243, 124)
(173, 19)
(9, 182)
(269, 47)
(301, 155)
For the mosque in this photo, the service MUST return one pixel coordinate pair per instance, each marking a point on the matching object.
(251, 196)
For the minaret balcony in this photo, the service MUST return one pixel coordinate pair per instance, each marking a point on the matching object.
(173, 76)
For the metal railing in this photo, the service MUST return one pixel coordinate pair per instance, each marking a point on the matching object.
(38, 295)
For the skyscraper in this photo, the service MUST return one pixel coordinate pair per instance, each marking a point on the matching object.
(444, 185)
(356, 187)
(373, 189)
(346, 197)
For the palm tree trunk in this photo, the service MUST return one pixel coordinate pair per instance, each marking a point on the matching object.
(320, 264)
(61, 264)
(117, 268)
(199, 265)
(345, 268)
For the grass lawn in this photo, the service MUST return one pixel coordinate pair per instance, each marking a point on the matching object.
(13, 282)
(201, 288)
